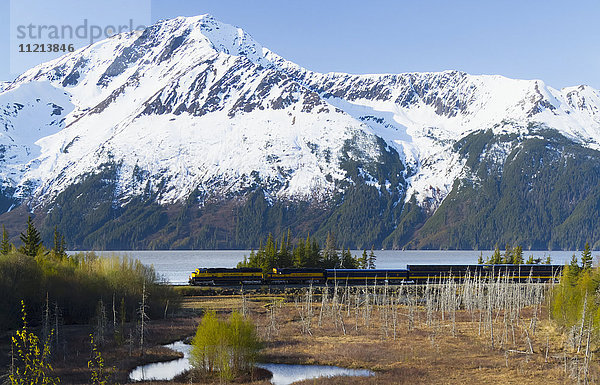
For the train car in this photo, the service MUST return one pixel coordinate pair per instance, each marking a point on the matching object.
(295, 276)
(517, 273)
(366, 276)
(226, 276)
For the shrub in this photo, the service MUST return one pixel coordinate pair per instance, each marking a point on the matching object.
(32, 358)
(226, 348)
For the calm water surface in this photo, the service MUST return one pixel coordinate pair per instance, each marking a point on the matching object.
(176, 266)
(164, 371)
(283, 374)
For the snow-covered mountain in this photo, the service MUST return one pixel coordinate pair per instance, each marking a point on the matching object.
(192, 107)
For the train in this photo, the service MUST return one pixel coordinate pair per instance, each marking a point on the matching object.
(417, 274)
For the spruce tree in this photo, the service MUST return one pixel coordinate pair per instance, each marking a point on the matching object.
(330, 255)
(372, 258)
(362, 261)
(32, 242)
(586, 257)
(574, 269)
(496, 257)
(59, 244)
(348, 261)
(517, 255)
(5, 245)
(508, 255)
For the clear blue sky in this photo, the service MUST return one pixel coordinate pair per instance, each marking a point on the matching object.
(556, 41)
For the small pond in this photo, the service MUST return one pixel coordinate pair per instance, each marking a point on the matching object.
(283, 374)
(164, 370)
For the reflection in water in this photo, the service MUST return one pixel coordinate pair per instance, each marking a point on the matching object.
(283, 374)
(164, 370)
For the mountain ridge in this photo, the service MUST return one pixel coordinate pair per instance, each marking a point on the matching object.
(195, 108)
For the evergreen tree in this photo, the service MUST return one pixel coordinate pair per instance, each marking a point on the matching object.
(530, 260)
(480, 259)
(59, 244)
(517, 255)
(508, 255)
(5, 245)
(299, 255)
(586, 257)
(284, 256)
(330, 256)
(32, 242)
(349, 262)
(315, 254)
(362, 261)
(574, 269)
(496, 258)
(372, 258)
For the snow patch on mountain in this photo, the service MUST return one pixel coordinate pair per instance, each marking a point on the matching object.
(29, 116)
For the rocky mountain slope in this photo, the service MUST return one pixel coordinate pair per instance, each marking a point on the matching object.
(191, 134)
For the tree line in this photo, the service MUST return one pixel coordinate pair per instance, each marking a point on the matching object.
(511, 256)
(305, 253)
(72, 285)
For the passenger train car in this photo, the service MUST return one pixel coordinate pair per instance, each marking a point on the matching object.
(296, 276)
(412, 274)
(223, 276)
(518, 273)
(366, 276)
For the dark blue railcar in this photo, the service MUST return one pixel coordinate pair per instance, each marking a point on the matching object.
(366, 276)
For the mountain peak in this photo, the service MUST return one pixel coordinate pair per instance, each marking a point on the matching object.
(223, 37)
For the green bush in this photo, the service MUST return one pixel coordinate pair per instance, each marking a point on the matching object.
(225, 348)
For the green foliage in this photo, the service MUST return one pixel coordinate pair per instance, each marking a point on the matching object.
(586, 257)
(517, 255)
(32, 242)
(348, 261)
(573, 300)
(5, 246)
(496, 258)
(271, 254)
(362, 215)
(31, 356)
(512, 255)
(363, 260)
(59, 248)
(306, 253)
(226, 348)
(99, 374)
(76, 283)
(372, 259)
(574, 269)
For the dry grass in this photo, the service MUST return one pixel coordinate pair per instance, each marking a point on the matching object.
(422, 355)
(436, 353)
